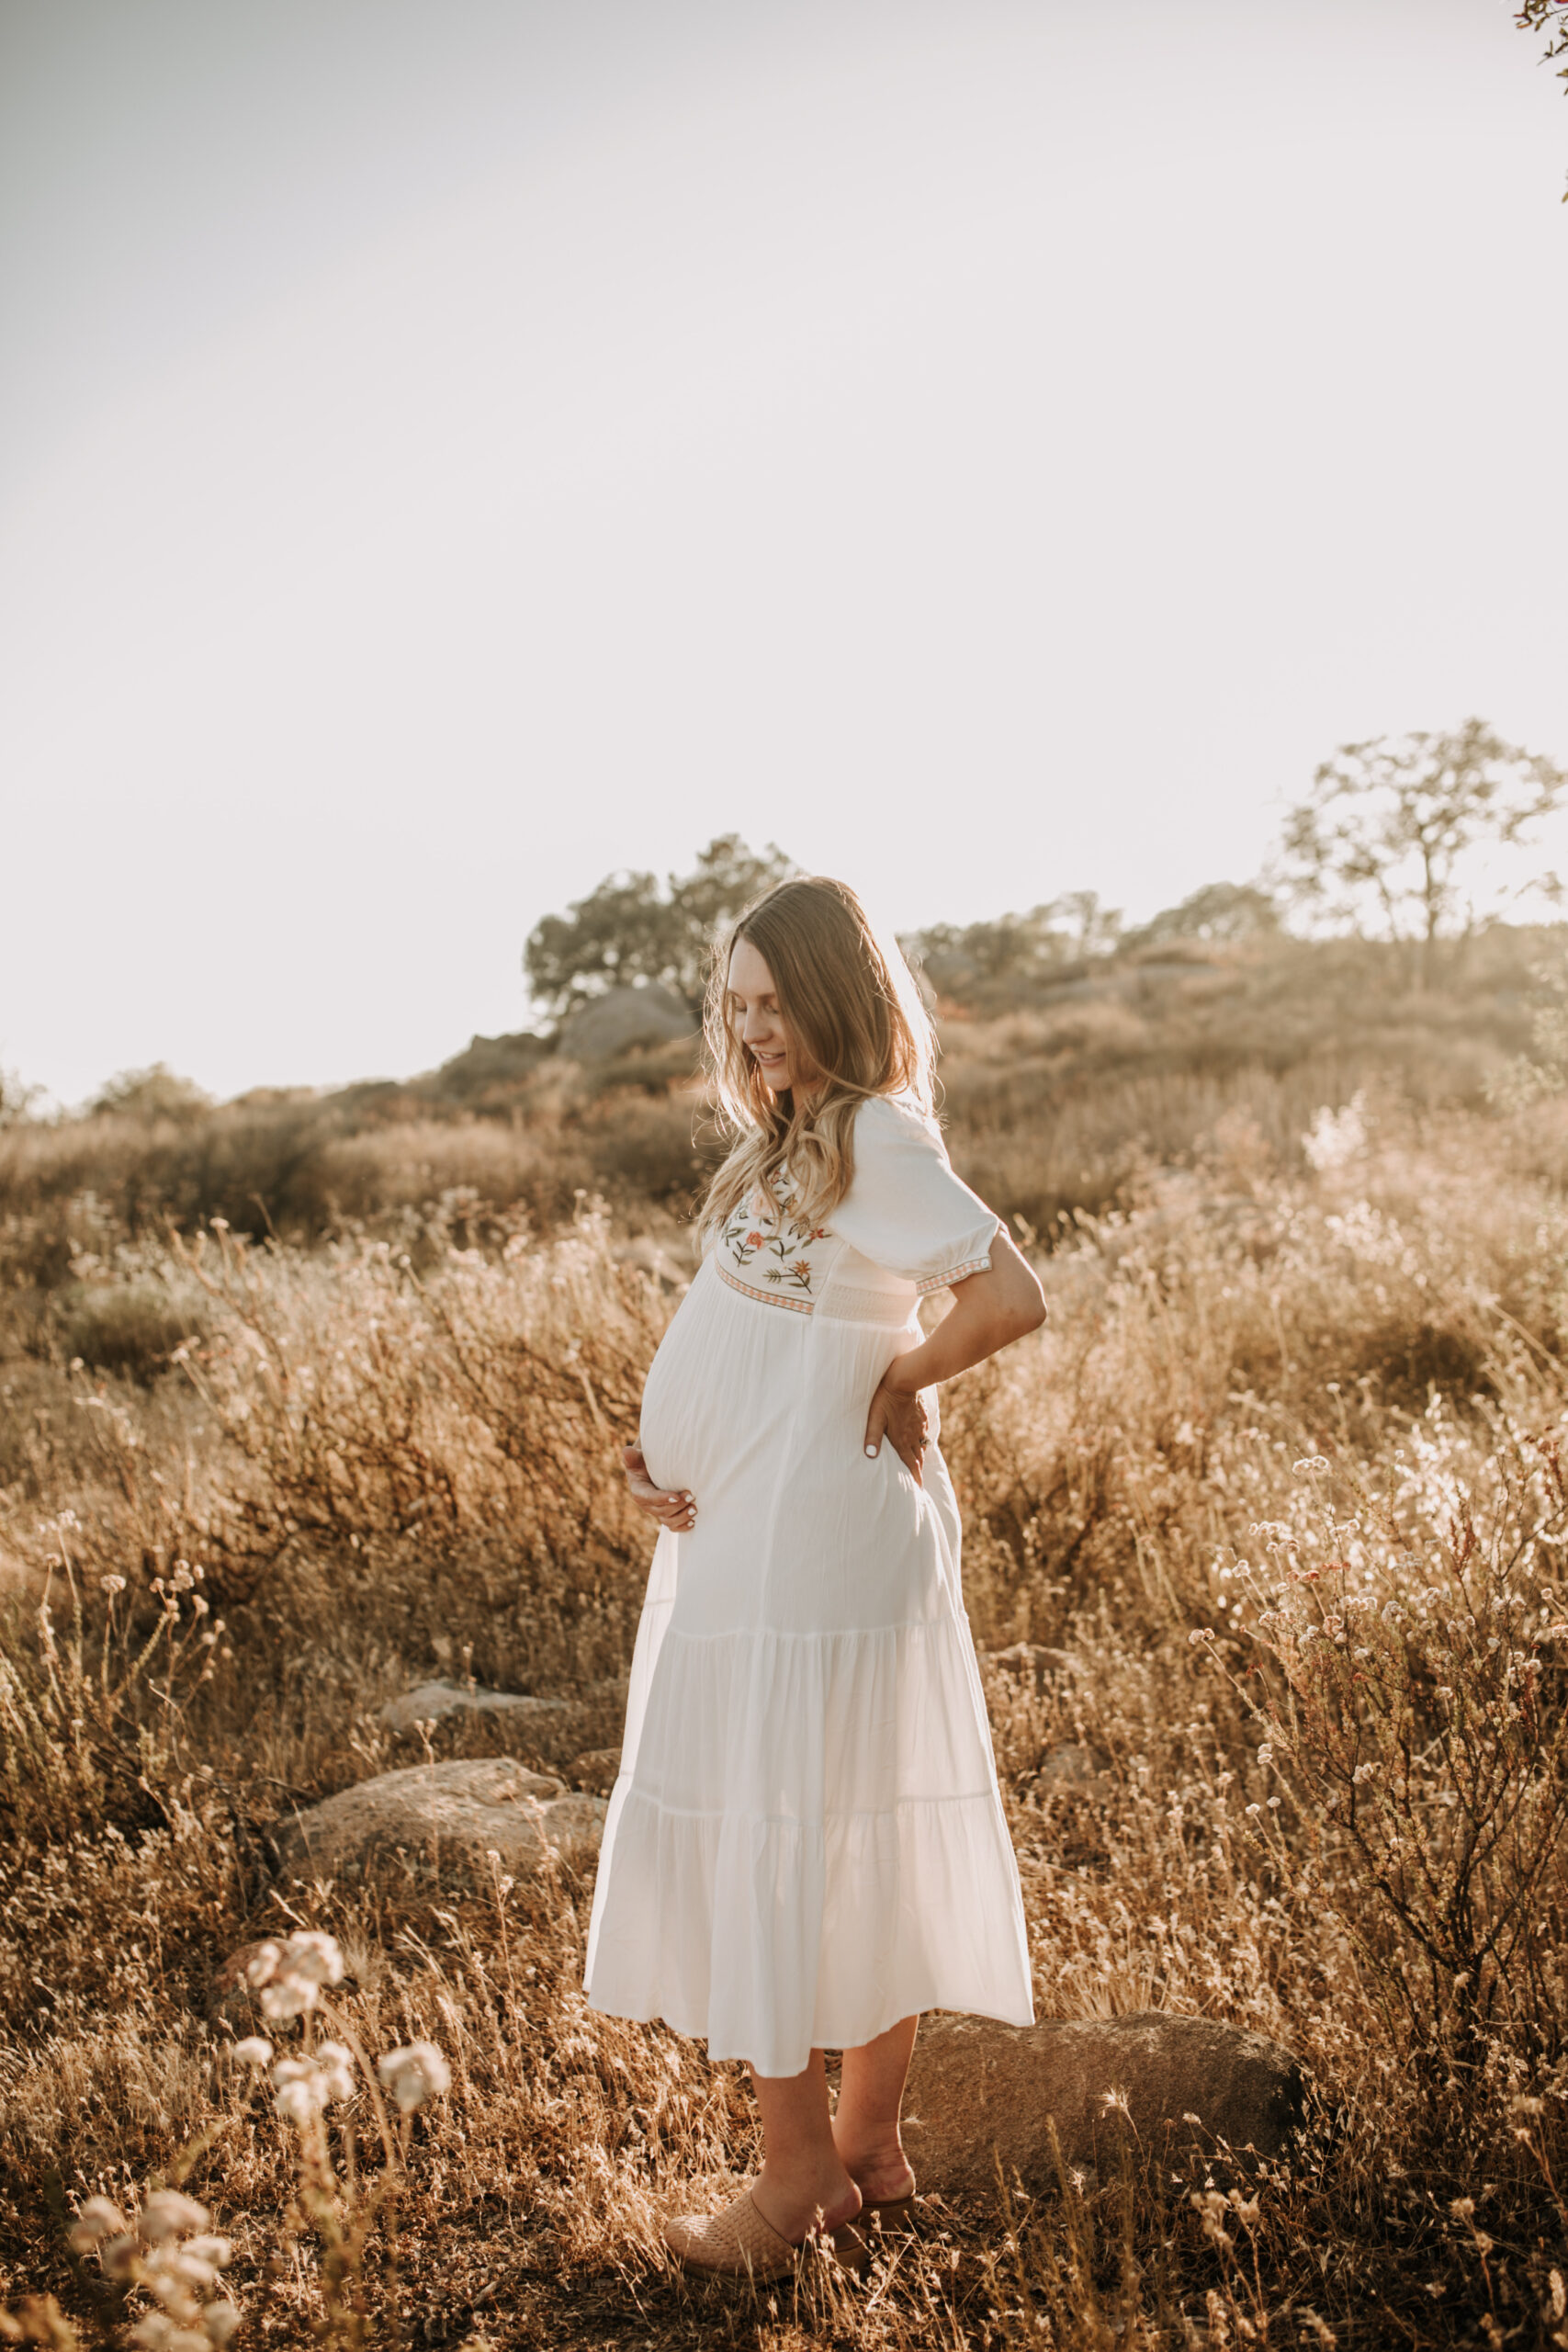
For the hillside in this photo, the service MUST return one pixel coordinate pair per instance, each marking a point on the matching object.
(1053, 1091)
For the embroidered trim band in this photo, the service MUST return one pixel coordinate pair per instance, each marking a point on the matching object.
(766, 1297)
(981, 1265)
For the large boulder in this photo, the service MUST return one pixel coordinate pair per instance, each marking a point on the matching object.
(624, 1019)
(980, 2092)
(431, 1702)
(445, 1818)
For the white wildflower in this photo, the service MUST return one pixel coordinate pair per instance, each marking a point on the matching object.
(253, 2051)
(290, 1976)
(1336, 1137)
(97, 2220)
(168, 2213)
(414, 2074)
(297, 2101)
(305, 2085)
(334, 2065)
(158, 2333)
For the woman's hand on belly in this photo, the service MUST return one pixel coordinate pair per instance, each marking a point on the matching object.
(904, 1423)
(674, 1508)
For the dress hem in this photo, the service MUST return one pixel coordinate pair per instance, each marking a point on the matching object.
(718, 2057)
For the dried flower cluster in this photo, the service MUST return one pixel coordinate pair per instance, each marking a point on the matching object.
(165, 2248)
(290, 1976)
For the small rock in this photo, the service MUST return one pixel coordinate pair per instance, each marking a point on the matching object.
(433, 1702)
(597, 1770)
(449, 1817)
(979, 2091)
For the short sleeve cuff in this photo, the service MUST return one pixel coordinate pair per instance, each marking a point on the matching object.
(978, 1263)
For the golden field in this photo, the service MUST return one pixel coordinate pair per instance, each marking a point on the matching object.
(1278, 1487)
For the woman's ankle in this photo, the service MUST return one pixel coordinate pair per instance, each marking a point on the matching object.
(791, 2196)
(879, 2168)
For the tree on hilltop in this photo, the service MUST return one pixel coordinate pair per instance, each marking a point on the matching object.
(633, 927)
(155, 1093)
(1013, 949)
(1217, 911)
(1381, 841)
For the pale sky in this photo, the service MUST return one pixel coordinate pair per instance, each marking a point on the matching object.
(993, 448)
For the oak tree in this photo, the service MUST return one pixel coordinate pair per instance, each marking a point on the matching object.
(1382, 840)
(634, 927)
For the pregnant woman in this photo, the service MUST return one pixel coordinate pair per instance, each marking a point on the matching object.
(806, 1846)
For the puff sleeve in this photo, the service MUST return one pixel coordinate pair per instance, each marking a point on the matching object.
(905, 1209)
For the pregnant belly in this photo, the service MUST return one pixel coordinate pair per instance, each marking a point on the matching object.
(720, 1394)
(674, 1414)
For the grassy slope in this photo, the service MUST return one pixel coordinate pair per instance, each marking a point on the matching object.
(1053, 1101)
(380, 1481)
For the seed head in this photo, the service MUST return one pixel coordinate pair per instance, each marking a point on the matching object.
(159, 2333)
(414, 2074)
(306, 2086)
(97, 2220)
(167, 2213)
(290, 1976)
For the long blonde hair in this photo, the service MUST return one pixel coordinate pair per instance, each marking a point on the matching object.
(854, 1016)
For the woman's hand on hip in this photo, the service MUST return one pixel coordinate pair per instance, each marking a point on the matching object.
(673, 1507)
(904, 1423)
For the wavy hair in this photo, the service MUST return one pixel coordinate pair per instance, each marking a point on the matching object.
(855, 1019)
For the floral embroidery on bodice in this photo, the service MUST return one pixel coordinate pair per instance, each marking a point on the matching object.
(768, 1252)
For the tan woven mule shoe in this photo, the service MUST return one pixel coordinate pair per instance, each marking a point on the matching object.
(878, 2221)
(740, 2242)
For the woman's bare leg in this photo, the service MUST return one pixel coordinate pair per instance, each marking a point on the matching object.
(865, 2126)
(803, 2180)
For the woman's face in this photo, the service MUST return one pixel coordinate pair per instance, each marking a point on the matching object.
(756, 1020)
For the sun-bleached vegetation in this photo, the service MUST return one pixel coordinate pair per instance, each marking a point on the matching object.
(1267, 1549)
(306, 1399)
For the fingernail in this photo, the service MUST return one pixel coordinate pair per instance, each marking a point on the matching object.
(871, 1452)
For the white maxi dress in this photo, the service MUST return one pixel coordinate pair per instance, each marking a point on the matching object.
(805, 1841)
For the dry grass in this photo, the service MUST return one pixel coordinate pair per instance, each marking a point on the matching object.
(389, 1460)
(1053, 1105)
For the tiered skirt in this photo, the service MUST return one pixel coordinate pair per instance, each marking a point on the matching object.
(806, 1841)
